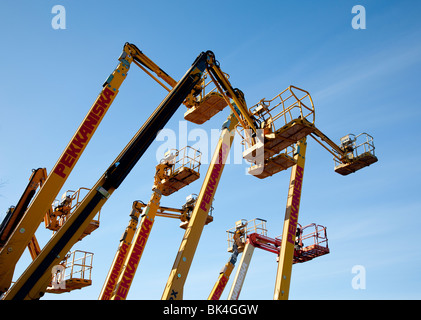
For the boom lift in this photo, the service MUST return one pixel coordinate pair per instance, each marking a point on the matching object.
(203, 106)
(175, 284)
(266, 149)
(183, 214)
(27, 221)
(286, 121)
(308, 245)
(175, 171)
(237, 246)
(76, 267)
(33, 282)
(199, 113)
(138, 207)
(59, 213)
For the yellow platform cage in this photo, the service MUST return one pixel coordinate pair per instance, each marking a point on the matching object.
(184, 169)
(208, 101)
(281, 122)
(63, 208)
(238, 234)
(360, 153)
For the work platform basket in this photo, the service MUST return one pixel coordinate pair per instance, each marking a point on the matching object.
(63, 208)
(73, 273)
(242, 229)
(281, 122)
(360, 153)
(208, 102)
(183, 169)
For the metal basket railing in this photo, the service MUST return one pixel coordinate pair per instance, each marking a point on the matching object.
(271, 115)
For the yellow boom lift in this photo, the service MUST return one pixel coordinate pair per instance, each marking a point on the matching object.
(33, 282)
(204, 107)
(175, 284)
(286, 121)
(138, 207)
(77, 265)
(236, 247)
(267, 145)
(15, 213)
(177, 170)
(24, 220)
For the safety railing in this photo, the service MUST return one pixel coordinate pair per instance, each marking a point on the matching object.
(186, 157)
(208, 86)
(74, 272)
(271, 115)
(309, 235)
(356, 146)
(79, 265)
(63, 208)
(314, 234)
(255, 225)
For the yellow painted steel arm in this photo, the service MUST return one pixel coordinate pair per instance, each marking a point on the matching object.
(35, 279)
(14, 215)
(121, 254)
(141, 60)
(286, 254)
(55, 181)
(175, 284)
(336, 151)
(138, 241)
(225, 88)
(16, 244)
(224, 276)
(136, 248)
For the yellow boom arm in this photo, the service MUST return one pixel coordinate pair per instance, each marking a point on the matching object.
(224, 276)
(175, 284)
(286, 254)
(33, 282)
(24, 231)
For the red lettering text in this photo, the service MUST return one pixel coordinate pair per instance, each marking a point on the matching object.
(82, 136)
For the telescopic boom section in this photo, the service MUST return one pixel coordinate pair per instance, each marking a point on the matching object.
(175, 284)
(142, 61)
(33, 282)
(137, 246)
(286, 254)
(224, 86)
(241, 273)
(224, 276)
(174, 172)
(121, 254)
(14, 214)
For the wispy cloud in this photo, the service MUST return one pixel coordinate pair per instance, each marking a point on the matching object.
(386, 61)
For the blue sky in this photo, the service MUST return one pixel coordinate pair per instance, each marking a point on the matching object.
(360, 80)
